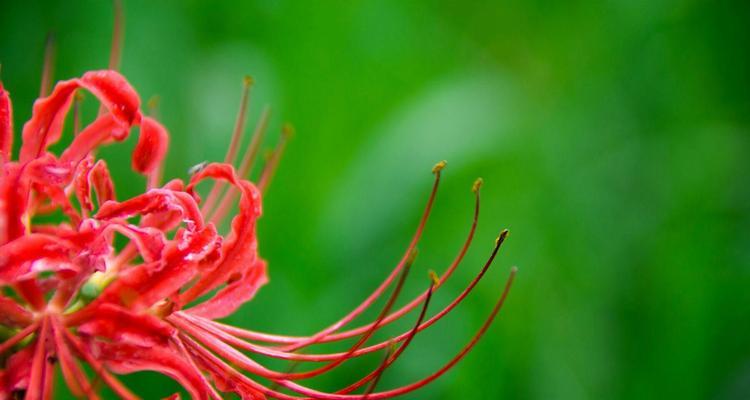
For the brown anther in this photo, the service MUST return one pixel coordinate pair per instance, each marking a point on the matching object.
(501, 238)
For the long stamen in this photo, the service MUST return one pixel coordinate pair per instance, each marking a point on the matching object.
(298, 342)
(250, 366)
(246, 165)
(212, 326)
(402, 390)
(153, 179)
(49, 65)
(447, 274)
(195, 368)
(115, 55)
(361, 341)
(265, 179)
(391, 354)
(269, 338)
(18, 337)
(115, 50)
(380, 289)
(374, 383)
(375, 347)
(273, 163)
(458, 357)
(231, 155)
(416, 385)
(77, 99)
(248, 159)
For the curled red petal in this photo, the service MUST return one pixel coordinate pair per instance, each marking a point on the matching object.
(91, 137)
(152, 146)
(150, 242)
(115, 93)
(16, 257)
(45, 126)
(240, 248)
(155, 201)
(142, 286)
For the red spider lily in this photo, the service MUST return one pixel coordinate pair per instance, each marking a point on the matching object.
(70, 296)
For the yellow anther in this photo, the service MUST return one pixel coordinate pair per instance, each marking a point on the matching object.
(477, 185)
(439, 167)
(501, 237)
(434, 278)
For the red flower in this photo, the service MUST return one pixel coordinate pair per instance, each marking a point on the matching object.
(70, 296)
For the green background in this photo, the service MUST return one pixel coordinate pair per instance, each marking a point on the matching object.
(612, 137)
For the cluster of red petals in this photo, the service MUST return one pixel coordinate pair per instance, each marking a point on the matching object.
(70, 296)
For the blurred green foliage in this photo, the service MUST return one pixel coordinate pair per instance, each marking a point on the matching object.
(612, 137)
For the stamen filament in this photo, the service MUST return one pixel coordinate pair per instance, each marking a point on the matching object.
(380, 289)
(273, 163)
(115, 54)
(48, 68)
(391, 354)
(253, 367)
(231, 155)
(18, 337)
(245, 166)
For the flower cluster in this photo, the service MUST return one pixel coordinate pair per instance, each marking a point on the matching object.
(69, 295)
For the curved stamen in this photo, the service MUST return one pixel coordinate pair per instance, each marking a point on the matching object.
(273, 163)
(246, 165)
(248, 159)
(115, 53)
(265, 179)
(211, 326)
(253, 367)
(447, 274)
(195, 368)
(374, 383)
(463, 352)
(256, 368)
(77, 100)
(216, 363)
(48, 67)
(231, 155)
(380, 289)
(416, 385)
(392, 355)
(292, 339)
